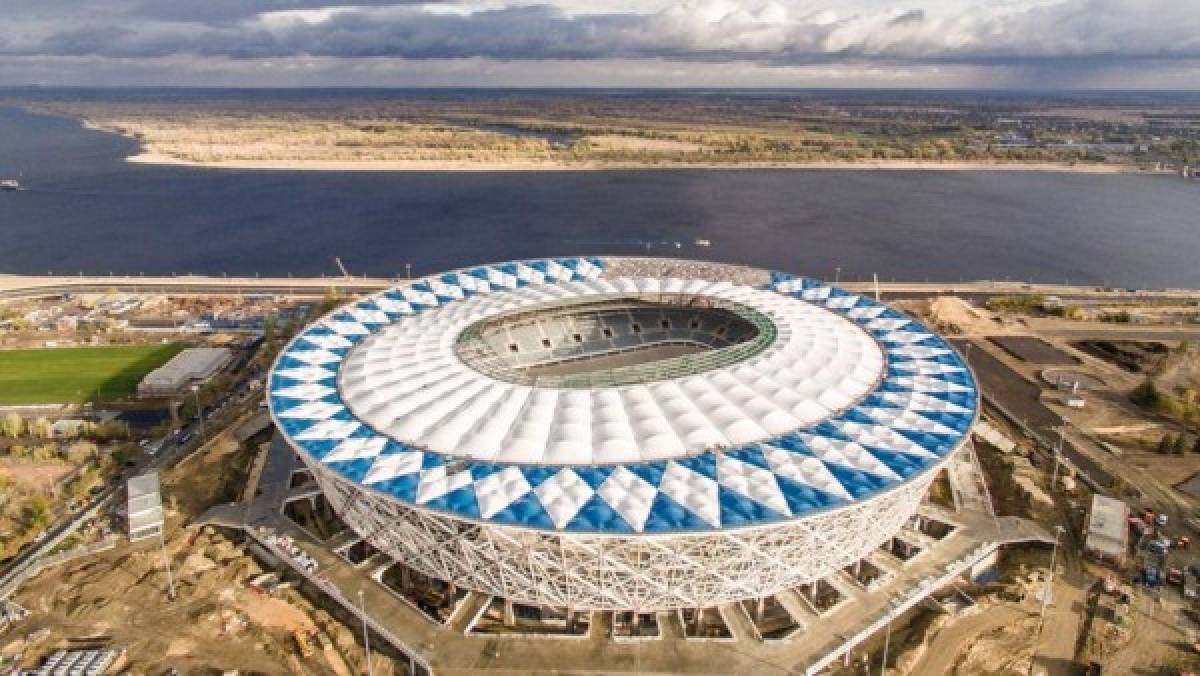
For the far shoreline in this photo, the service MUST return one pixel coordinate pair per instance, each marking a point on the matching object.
(160, 159)
(150, 157)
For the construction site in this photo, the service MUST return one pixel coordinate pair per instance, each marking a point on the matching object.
(1011, 564)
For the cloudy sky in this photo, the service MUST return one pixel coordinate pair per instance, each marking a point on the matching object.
(894, 43)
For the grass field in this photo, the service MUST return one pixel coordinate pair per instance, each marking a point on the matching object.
(57, 375)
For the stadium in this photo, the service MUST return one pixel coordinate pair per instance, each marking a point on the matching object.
(622, 433)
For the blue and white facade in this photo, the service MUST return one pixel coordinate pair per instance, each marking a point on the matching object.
(727, 484)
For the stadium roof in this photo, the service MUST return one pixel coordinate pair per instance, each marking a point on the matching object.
(851, 399)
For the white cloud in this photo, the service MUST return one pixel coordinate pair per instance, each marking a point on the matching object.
(1082, 37)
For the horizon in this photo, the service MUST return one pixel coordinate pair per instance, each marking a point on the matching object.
(1052, 91)
(925, 44)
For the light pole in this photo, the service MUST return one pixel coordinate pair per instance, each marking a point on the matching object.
(887, 636)
(199, 414)
(408, 270)
(837, 275)
(362, 604)
(162, 542)
(1058, 531)
(1062, 431)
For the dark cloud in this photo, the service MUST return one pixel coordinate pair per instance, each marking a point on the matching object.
(219, 11)
(1106, 33)
(911, 16)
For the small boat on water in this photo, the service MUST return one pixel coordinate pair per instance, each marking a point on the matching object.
(703, 242)
(10, 185)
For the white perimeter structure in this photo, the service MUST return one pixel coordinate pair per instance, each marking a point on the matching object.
(622, 433)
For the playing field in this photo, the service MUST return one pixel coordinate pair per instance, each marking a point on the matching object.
(56, 375)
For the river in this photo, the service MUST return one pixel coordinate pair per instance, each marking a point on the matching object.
(87, 210)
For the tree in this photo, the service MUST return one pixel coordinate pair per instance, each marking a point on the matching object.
(331, 300)
(1180, 445)
(268, 333)
(1147, 395)
(113, 429)
(1166, 445)
(37, 513)
(79, 487)
(40, 428)
(1196, 446)
(12, 425)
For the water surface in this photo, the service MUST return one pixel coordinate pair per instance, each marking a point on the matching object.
(87, 210)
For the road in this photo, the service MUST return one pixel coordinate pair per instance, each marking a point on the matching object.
(16, 286)
(39, 287)
(1019, 400)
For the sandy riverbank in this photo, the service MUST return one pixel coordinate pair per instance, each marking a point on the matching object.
(155, 158)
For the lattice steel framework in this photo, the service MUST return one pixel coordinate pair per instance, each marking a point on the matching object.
(623, 572)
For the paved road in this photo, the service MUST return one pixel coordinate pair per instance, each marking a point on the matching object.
(1010, 392)
(313, 288)
(22, 285)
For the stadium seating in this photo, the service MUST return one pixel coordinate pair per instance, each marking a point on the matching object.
(663, 330)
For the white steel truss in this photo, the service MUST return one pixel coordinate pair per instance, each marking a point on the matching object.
(622, 572)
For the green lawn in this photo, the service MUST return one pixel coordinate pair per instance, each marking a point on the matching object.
(56, 375)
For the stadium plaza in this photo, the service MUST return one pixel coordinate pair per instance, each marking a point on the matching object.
(626, 464)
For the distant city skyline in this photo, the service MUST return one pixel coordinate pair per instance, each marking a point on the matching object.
(1102, 44)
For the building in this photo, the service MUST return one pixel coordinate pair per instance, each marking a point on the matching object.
(190, 367)
(1108, 530)
(67, 428)
(144, 506)
(627, 434)
(81, 661)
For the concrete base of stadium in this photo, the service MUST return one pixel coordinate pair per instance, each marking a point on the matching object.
(443, 629)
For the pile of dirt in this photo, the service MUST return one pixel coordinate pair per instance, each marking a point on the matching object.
(1109, 628)
(1005, 650)
(953, 315)
(214, 622)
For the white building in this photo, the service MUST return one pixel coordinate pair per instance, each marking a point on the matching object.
(192, 366)
(1108, 529)
(144, 506)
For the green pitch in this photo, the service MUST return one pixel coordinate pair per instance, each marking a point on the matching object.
(70, 374)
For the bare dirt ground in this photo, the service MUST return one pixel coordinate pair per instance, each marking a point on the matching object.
(1002, 649)
(945, 649)
(999, 639)
(215, 622)
(618, 142)
(39, 476)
